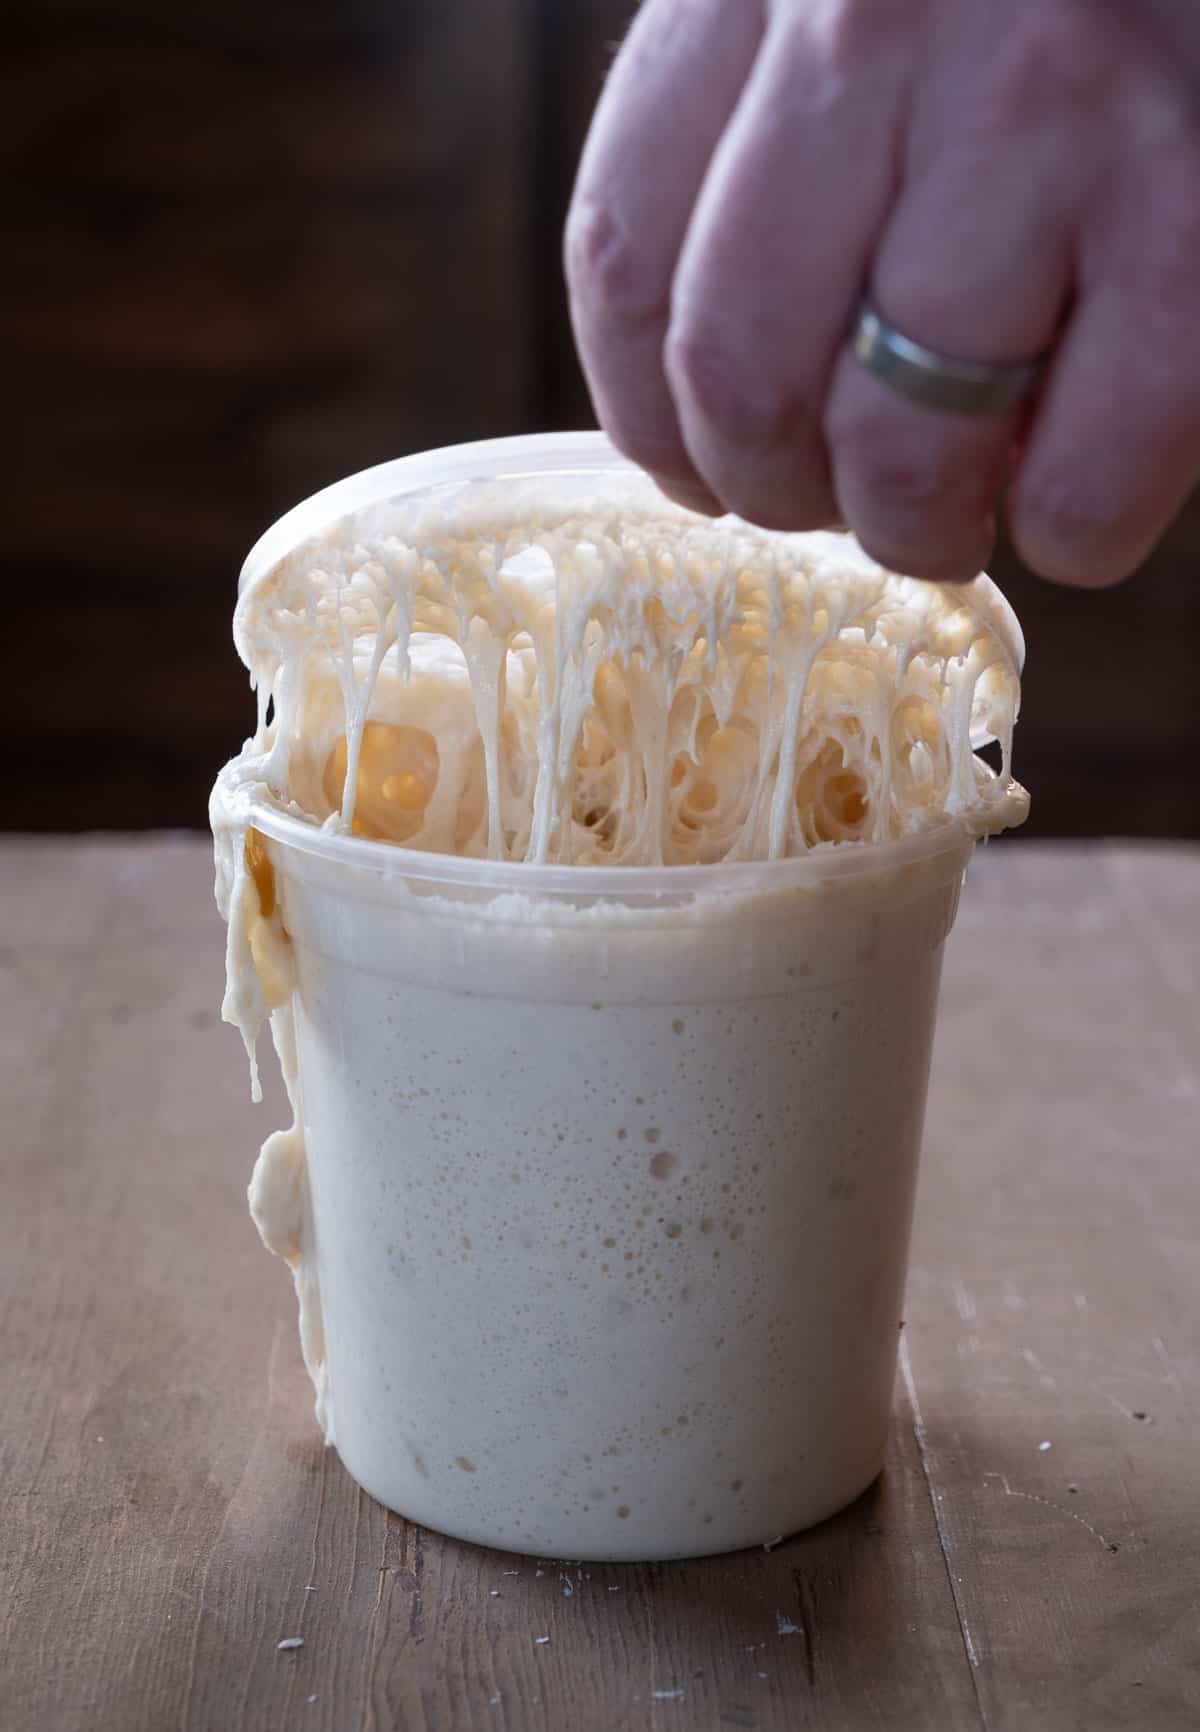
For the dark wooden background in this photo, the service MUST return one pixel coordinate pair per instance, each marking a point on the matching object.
(249, 248)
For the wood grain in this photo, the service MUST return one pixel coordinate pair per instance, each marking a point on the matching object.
(251, 248)
(248, 250)
(1054, 1283)
(168, 1514)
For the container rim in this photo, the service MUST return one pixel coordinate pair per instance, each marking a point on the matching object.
(827, 861)
(514, 458)
(510, 459)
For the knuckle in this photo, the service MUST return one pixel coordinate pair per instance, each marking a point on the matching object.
(838, 44)
(612, 275)
(900, 476)
(1049, 61)
(719, 385)
(660, 452)
(1071, 532)
(705, 374)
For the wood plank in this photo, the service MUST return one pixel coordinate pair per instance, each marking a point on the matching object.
(211, 306)
(284, 27)
(174, 482)
(205, 117)
(252, 286)
(241, 264)
(216, 212)
(576, 44)
(1110, 727)
(1055, 1283)
(166, 1504)
(164, 1497)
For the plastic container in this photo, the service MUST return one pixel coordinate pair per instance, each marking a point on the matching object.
(611, 1170)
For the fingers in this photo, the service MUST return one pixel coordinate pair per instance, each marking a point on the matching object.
(976, 264)
(670, 93)
(1115, 449)
(739, 191)
(775, 258)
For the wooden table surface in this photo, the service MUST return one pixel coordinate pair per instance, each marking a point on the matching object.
(1029, 1559)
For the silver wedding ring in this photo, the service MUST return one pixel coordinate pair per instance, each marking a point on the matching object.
(940, 381)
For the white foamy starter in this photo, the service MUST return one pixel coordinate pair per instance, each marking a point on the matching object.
(593, 1143)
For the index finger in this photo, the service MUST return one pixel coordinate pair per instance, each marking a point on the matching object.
(672, 89)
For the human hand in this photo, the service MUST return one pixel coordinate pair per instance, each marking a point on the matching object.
(1001, 177)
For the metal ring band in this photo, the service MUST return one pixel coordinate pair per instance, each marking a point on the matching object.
(940, 381)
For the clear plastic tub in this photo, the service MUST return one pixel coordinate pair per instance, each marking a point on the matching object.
(610, 1170)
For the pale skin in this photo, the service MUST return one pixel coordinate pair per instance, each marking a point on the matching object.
(1000, 177)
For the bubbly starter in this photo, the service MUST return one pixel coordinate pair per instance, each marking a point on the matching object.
(597, 1193)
